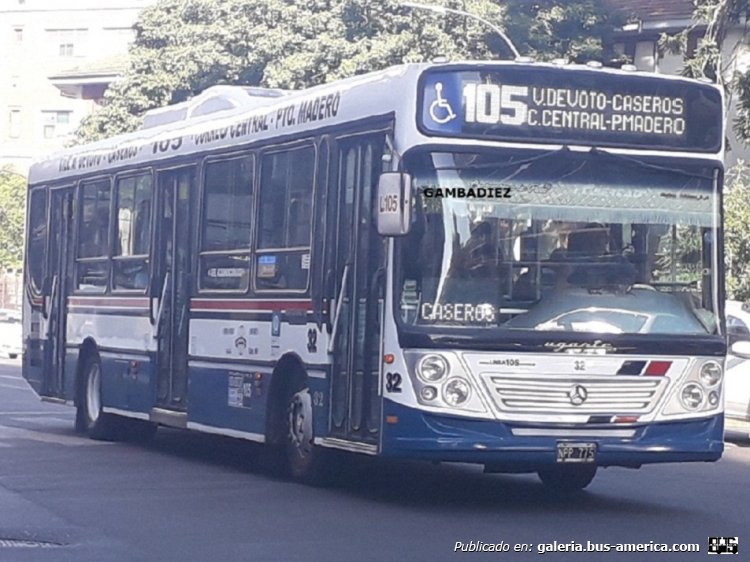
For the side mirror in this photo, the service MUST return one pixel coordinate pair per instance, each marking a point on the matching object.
(394, 204)
(741, 349)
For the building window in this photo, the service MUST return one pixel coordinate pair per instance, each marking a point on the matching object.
(66, 42)
(55, 123)
(14, 123)
(18, 34)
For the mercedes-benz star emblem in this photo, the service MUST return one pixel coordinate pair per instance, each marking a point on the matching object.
(578, 395)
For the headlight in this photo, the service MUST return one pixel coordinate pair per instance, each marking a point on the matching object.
(691, 396)
(456, 391)
(428, 393)
(713, 398)
(710, 373)
(432, 368)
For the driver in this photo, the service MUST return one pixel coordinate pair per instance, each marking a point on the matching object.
(589, 242)
(591, 263)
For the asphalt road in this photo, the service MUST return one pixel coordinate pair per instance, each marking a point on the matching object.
(187, 497)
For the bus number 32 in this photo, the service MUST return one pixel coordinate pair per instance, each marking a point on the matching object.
(393, 382)
(492, 103)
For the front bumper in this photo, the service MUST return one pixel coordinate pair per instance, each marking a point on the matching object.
(438, 437)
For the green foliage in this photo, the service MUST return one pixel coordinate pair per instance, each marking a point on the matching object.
(737, 231)
(12, 215)
(679, 256)
(717, 16)
(577, 30)
(184, 46)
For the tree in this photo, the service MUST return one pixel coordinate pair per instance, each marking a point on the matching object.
(184, 46)
(736, 239)
(708, 60)
(12, 214)
(578, 30)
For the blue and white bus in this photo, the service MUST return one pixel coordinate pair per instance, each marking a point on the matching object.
(511, 264)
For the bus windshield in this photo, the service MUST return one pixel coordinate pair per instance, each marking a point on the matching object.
(560, 241)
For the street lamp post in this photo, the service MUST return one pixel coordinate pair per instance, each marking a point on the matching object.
(442, 10)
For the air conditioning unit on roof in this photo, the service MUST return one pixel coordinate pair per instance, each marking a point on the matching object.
(213, 100)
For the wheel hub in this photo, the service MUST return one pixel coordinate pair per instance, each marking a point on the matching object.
(93, 393)
(300, 422)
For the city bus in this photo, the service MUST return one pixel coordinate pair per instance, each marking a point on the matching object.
(512, 264)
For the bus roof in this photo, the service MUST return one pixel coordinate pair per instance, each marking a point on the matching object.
(225, 116)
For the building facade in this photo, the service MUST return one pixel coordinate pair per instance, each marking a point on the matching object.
(639, 40)
(56, 60)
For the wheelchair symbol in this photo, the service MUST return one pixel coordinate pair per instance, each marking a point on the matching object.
(441, 104)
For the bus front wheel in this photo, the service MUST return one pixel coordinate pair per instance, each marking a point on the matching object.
(566, 479)
(304, 458)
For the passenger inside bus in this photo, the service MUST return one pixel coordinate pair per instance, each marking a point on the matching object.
(590, 263)
(582, 259)
(589, 242)
(93, 233)
(478, 273)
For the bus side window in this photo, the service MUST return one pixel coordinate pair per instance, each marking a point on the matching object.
(37, 245)
(130, 262)
(92, 271)
(227, 225)
(285, 216)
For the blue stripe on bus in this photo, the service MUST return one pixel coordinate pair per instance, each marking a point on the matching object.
(209, 397)
(449, 438)
(126, 388)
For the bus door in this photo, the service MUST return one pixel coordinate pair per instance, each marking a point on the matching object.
(171, 287)
(58, 278)
(360, 259)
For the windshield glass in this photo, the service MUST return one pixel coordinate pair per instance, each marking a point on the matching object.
(559, 241)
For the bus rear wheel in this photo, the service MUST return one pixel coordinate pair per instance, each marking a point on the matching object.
(567, 479)
(304, 459)
(91, 418)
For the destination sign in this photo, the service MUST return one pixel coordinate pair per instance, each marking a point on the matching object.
(572, 106)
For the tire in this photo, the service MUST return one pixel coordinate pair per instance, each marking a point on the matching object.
(13, 356)
(90, 417)
(567, 479)
(305, 461)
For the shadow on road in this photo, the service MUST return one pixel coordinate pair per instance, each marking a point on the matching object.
(410, 483)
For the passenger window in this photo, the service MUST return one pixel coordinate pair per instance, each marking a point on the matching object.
(227, 225)
(134, 197)
(285, 215)
(37, 248)
(93, 237)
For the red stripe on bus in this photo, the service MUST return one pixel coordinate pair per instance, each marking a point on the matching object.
(250, 305)
(138, 302)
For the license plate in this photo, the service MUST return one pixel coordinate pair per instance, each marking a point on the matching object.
(576, 452)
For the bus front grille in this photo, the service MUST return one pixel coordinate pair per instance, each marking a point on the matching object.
(573, 395)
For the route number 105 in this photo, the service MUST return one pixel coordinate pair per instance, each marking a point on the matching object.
(492, 103)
